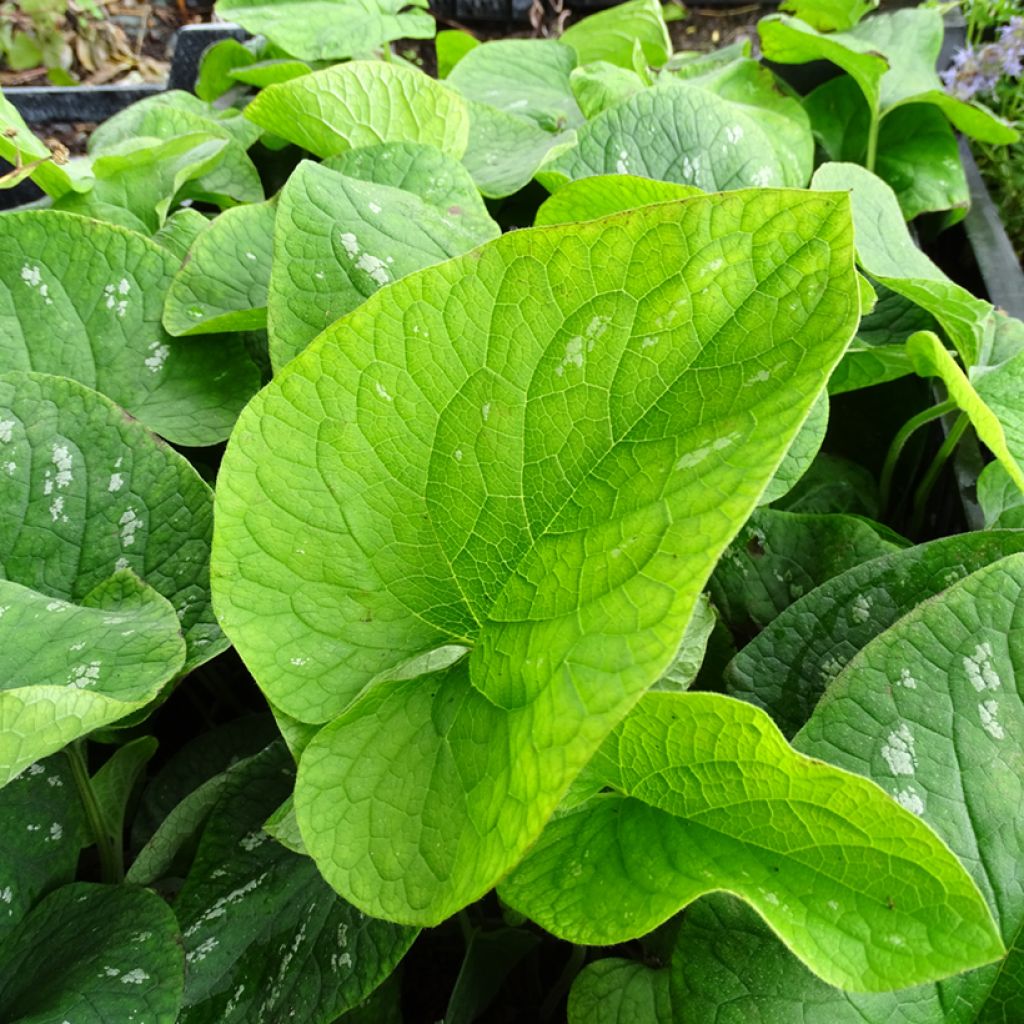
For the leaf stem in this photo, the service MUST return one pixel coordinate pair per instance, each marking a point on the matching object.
(924, 491)
(107, 846)
(899, 442)
(572, 967)
(869, 162)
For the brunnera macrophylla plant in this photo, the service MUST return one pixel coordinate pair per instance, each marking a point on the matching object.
(532, 456)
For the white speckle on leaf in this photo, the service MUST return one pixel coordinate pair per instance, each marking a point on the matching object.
(762, 176)
(988, 711)
(895, 940)
(251, 840)
(250, 256)
(56, 508)
(906, 680)
(11, 467)
(374, 208)
(111, 972)
(201, 951)
(121, 563)
(134, 977)
(6, 431)
(64, 461)
(485, 411)
(6, 894)
(898, 751)
(457, 454)
(911, 800)
(32, 276)
(155, 362)
(771, 898)
(319, 275)
(130, 524)
(383, 391)
(123, 286)
(110, 293)
(232, 1003)
(622, 164)
(55, 781)
(832, 905)
(115, 483)
(339, 960)
(299, 662)
(84, 675)
(694, 458)
(979, 668)
(861, 610)
(734, 133)
(56, 831)
(374, 267)
(350, 243)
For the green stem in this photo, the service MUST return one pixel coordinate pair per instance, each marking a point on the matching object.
(872, 140)
(109, 849)
(899, 442)
(924, 491)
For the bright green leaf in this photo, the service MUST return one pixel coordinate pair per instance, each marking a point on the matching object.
(451, 46)
(801, 453)
(600, 85)
(362, 103)
(707, 795)
(270, 72)
(180, 230)
(612, 34)
(525, 77)
(83, 299)
(330, 29)
(605, 194)
(829, 15)
(548, 481)
(223, 284)
(216, 65)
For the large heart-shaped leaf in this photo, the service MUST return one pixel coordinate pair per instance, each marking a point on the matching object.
(93, 954)
(265, 937)
(88, 491)
(330, 29)
(547, 480)
(675, 132)
(360, 104)
(707, 795)
(83, 299)
(68, 669)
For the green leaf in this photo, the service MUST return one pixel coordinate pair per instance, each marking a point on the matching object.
(44, 827)
(605, 194)
(93, 954)
(674, 132)
(180, 230)
(115, 782)
(614, 991)
(490, 957)
(801, 453)
(892, 58)
(425, 171)
(68, 669)
(223, 284)
(88, 492)
(829, 15)
(362, 103)
(216, 65)
(780, 556)
(18, 144)
(931, 708)
(451, 46)
(888, 254)
(137, 180)
(264, 935)
(1000, 498)
(466, 521)
(833, 484)
(330, 29)
(931, 359)
(787, 668)
(338, 240)
(684, 667)
(755, 90)
(525, 77)
(270, 72)
(711, 776)
(612, 35)
(83, 299)
(917, 150)
(505, 151)
(600, 85)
